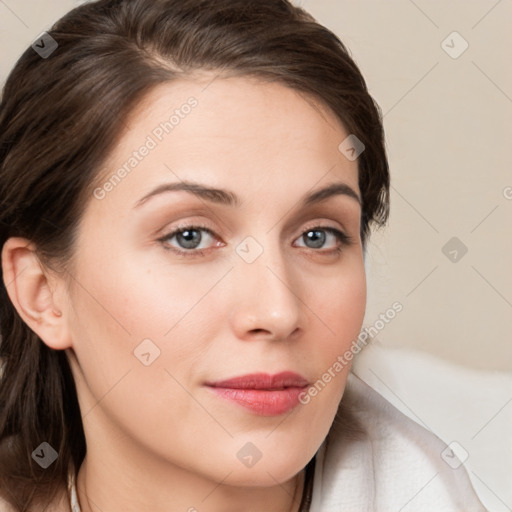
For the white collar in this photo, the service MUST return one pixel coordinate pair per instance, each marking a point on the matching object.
(75, 507)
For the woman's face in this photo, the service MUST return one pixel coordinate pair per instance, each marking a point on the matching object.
(260, 284)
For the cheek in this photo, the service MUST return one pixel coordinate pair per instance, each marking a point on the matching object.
(341, 305)
(137, 311)
(122, 315)
(141, 299)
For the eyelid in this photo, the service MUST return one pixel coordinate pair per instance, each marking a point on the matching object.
(322, 224)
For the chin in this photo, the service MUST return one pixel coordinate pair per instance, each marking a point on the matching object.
(275, 469)
(264, 477)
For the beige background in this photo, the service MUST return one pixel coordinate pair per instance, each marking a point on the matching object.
(448, 132)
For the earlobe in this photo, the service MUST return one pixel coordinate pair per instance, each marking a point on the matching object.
(33, 294)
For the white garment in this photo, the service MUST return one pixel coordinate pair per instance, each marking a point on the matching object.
(392, 465)
(75, 507)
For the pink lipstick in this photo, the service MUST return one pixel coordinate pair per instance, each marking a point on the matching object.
(264, 394)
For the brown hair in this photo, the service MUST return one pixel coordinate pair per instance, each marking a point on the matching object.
(59, 119)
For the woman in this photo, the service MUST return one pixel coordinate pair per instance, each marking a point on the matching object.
(187, 191)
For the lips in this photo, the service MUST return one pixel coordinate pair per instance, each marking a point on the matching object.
(263, 381)
(262, 393)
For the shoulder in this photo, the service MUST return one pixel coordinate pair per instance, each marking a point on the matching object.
(376, 455)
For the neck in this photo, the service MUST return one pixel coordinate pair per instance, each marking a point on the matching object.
(96, 493)
(99, 488)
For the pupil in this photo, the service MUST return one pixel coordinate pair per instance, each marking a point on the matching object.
(189, 238)
(317, 237)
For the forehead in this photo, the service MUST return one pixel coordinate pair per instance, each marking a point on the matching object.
(241, 132)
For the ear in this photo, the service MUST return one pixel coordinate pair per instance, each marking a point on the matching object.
(37, 296)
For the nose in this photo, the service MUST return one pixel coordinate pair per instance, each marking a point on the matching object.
(267, 298)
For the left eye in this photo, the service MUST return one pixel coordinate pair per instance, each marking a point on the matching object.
(189, 239)
(317, 237)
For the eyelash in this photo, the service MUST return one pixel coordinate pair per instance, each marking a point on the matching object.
(344, 239)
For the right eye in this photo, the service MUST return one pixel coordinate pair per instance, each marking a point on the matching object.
(189, 239)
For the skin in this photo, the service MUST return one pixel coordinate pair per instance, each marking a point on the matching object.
(157, 438)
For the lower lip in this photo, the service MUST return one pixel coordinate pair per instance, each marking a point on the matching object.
(263, 402)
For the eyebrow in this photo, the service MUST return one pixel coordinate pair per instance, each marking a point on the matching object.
(228, 198)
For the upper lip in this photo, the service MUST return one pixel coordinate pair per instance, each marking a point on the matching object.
(262, 381)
